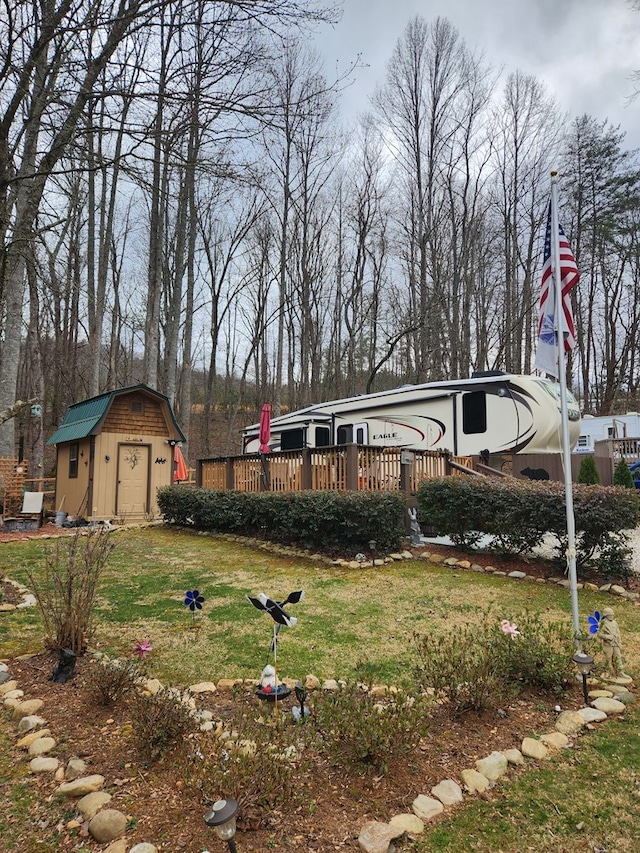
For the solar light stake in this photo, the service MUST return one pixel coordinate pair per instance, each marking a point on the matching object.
(584, 662)
(222, 817)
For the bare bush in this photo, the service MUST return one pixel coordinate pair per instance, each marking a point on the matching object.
(66, 592)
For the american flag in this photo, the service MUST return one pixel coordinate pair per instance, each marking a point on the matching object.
(546, 353)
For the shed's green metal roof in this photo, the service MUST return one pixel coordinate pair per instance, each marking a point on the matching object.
(83, 419)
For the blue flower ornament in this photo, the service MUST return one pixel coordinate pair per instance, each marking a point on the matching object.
(594, 622)
(193, 600)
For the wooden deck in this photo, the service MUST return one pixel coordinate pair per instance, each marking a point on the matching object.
(348, 467)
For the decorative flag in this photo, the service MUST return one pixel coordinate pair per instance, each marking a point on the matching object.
(546, 353)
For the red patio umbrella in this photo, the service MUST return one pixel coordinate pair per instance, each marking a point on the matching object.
(179, 465)
(265, 428)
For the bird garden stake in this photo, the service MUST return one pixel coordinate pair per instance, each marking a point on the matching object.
(280, 617)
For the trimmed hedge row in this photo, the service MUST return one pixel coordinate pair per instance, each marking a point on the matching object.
(331, 521)
(518, 514)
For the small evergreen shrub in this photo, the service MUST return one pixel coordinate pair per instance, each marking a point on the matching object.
(359, 729)
(540, 657)
(588, 473)
(326, 520)
(622, 476)
(517, 515)
(160, 722)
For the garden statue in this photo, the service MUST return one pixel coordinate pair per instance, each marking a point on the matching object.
(609, 636)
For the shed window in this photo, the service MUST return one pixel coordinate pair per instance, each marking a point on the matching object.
(474, 412)
(136, 406)
(73, 460)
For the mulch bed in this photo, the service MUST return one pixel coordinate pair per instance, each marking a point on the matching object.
(337, 802)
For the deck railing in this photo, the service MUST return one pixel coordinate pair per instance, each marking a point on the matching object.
(346, 467)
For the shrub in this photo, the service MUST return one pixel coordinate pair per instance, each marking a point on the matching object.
(479, 667)
(160, 722)
(358, 728)
(66, 593)
(541, 656)
(461, 666)
(517, 514)
(110, 680)
(622, 476)
(325, 520)
(257, 766)
(588, 473)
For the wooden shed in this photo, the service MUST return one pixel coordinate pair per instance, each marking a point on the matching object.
(113, 452)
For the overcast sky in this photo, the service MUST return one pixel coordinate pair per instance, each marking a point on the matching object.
(584, 51)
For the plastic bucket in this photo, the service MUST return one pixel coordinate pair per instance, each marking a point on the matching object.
(60, 517)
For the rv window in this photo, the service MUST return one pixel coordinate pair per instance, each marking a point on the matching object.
(474, 412)
(73, 460)
(345, 434)
(360, 435)
(292, 439)
(323, 436)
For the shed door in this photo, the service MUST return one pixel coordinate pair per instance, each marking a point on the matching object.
(132, 493)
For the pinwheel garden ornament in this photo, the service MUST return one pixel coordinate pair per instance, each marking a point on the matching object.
(594, 621)
(194, 601)
(280, 617)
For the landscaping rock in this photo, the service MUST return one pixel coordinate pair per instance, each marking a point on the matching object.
(475, 782)
(107, 825)
(448, 792)
(569, 722)
(90, 804)
(25, 709)
(29, 723)
(533, 748)
(74, 769)
(426, 808)
(375, 837)
(513, 756)
(493, 766)
(556, 740)
(592, 715)
(203, 687)
(409, 823)
(43, 764)
(625, 697)
(8, 686)
(119, 846)
(609, 706)
(80, 787)
(41, 746)
(144, 847)
(26, 741)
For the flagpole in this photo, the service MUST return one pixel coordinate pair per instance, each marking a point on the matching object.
(564, 416)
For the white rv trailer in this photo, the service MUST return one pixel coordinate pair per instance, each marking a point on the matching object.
(494, 411)
(601, 427)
